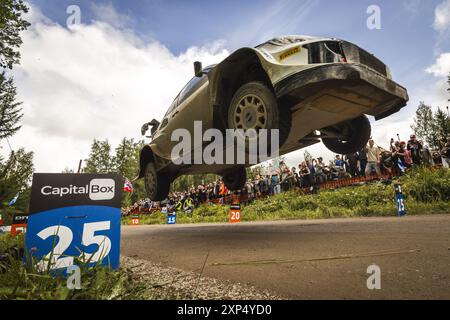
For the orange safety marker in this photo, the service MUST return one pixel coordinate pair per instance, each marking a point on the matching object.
(235, 213)
(135, 220)
(19, 225)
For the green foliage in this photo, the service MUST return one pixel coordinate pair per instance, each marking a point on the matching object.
(10, 111)
(15, 176)
(429, 126)
(426, 191)
(24, 281)
(441, 123)
(448, 81)
(11, 24)
(100, 159)
(126, 163)
(185, 182)
(428, 185)
(15, 172)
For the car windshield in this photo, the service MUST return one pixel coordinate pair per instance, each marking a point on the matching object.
(281, 41)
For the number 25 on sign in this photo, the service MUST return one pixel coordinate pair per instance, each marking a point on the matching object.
(235, 213)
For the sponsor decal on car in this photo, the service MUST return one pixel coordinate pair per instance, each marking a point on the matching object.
(289, 53)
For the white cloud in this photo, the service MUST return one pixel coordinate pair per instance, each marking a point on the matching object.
(105, 12)
(442, 16)
(95, 81)
(441, 68)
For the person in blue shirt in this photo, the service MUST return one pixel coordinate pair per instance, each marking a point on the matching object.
(339, 162)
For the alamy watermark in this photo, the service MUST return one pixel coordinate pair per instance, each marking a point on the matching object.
(374, 280)
(74, 18)
(74, 277)
(234, 146)
(374, 20)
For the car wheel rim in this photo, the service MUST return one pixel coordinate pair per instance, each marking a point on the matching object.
(250, 113)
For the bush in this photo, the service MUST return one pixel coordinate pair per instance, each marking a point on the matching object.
(427, 184)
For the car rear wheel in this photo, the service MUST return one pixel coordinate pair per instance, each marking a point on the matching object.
(347, 137)
(156, 184)
(235, 179)
(254, 106)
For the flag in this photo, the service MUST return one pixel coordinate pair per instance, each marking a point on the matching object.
(13, 200)
(127, 186)
(400, 165)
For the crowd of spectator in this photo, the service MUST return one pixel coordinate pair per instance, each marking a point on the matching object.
(372, 160)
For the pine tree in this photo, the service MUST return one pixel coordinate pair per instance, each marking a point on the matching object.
(15, 176)
(100, 159)
(448, 89)
(11, 24)
(127, 157)
(10, 111)
(441, 124)
(424, 125)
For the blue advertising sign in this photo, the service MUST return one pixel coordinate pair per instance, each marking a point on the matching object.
(171, 218)
(400, 202)
(74, 217)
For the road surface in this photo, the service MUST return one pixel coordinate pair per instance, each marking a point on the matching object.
(315, 259)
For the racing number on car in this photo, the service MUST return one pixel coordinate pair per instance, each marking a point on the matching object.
(235, 213)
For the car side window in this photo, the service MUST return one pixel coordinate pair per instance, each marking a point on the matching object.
(190, 87)
(172, 106)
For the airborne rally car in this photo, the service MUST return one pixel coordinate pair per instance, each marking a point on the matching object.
(311, 89)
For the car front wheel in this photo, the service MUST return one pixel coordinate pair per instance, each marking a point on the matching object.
(254, 106)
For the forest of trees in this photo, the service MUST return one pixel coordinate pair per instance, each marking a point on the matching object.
(17, 168)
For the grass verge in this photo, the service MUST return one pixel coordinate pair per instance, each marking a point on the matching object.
(24, 282)
(426, 191)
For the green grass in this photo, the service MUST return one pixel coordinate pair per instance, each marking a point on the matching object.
(426, 191)
(25, 281)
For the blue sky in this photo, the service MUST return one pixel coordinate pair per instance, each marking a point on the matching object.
(128, 59)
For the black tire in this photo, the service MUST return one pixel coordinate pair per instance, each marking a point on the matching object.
(275, 119)
(157, 185)
(234, 179)
(357, 131)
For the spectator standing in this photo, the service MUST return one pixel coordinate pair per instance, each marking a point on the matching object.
(445, 152)
(284, 169)
(275, 182)
(362, 156)
(373, 159)
(352, 160)
(319, 166)
(305, 175)
(427, 159)
(296, 178)
(414, 147)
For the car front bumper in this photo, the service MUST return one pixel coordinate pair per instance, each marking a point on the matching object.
(353, 82)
